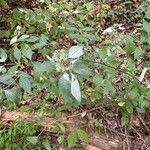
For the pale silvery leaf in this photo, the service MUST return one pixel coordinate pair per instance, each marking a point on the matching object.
(76, 12)
(108, 30)
(75, 52)
(73, 61)
(75, 88)
(49, 58)
(3, 55)
(17, 31)
(66, 76)
(13, 40)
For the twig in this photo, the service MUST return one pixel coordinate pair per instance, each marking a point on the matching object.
(127, 138)
(116, 132)
(144, 124)
(115, 68)
(79, 114)
(109, 66)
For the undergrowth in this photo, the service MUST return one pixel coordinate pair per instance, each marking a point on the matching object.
(70, 54)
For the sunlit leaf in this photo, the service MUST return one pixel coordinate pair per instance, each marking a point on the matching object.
(32, 139)
(46, 144)
(72, 139)
(75, 88)
(83, 136)
(13, 40)
(75, 52)
(3, 55)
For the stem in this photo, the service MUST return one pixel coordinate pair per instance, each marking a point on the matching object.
(117, 69)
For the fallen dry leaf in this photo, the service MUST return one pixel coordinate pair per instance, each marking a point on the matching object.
(48, 25)
(91, 147)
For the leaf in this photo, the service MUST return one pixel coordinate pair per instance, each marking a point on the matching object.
(146, 26)
(83, 136)
(32, 139)
(75, 52)
(130, 45)
(75, 88)
(6, 79)
(103, 54)
(26, 51)
(124, 120)
(121, 104)
(81, 69)
(32, 39)
(46, 144)
(13, 94)
(24, 83)
(3, 3)
(97, 80)
(13, 40)
(23, 37)
(46, 66)
(39, 45)
(2, 68)
(72, 139)
(129, 108)
(131, 65)
(61, 139)
(17, 53)
(3, 55)
(147, 14)
(64, 86)
(145, 104)
(137, 52)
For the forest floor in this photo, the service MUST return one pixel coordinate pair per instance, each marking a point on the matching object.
(101, 122)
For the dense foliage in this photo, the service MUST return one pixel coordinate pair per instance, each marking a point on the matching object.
(81, 52)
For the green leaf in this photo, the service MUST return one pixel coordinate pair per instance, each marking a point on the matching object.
(83, 136)
(145, 104)
(23, 37)
(3, 55)
(32, 139)
(64, 87)
(3, 3)
(137, 52)
(46, 144)
(72, 139)
(46, 66)
(147, 14)
(97, 80)
(146, 26)
(81, 69)
(13, 94)
(61, 139)
(131, 65)
(24, 83)
(26, 51)
(17, 53)
(32, 39)
(129, 108)
(103, 53)
(130, 45)
(6, 79)
(124, 120)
